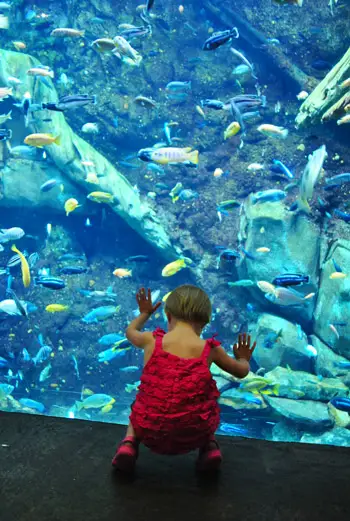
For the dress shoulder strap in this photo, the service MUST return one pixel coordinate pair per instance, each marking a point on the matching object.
(158, 334)
(209, 344)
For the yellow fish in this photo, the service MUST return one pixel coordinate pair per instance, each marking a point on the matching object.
(273, 131)
(170, 156)
(24, 267)
(232, 129)
(263, 249)
(101, 197)
(41, 140)
(344, 120)
(166, 296)
(56, 308)
(91, 177)
(70, 205)
(337, 275)
(173, 267)
(87, 392)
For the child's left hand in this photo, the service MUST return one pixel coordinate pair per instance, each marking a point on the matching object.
(144, 301)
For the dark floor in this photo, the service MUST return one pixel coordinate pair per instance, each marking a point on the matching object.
(59, 470)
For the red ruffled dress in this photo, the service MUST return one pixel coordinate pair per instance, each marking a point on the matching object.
(176, 409)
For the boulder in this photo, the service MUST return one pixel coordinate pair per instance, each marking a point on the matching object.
(294, 243)
(336, 436)
(290, 348)
(310, 414)
(68, 156)
(328, 363)
(333, 301)
(305, 386)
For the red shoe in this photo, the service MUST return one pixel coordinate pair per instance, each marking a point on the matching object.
(210, 457)
(126, 455)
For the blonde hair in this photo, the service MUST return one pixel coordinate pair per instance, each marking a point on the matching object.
(190, 304)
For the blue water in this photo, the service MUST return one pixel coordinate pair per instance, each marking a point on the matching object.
(245, 210)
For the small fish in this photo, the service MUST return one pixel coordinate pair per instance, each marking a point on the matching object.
(232, 130)
(138, 258)
(338, 180)
(49, 282)
(283, 169)
(71, 256)
(188, 195)
(220, 38)
(244, 283)
(32, 404)
(99, 314)
(111, 338)
(112, 353)
(212, 104)
(263, 249)
(72, 270)
(100, 197)
(90, 128)
(255, 167)
(45, 373)
(228, 205)
(129, 388)
(5, 92)
(266, 287)
(337, 275)
(311, 350)
(5, 117)
(290, 279)
(11, 234)
(126, 52)
(335, 331)
(302, 95)
(24, 267)
(21, 308)
(56, 308)
(5, 134)
(343, 404)
(342, 365)
(70, 205)
(107, 408)
(19, 46)
(272, 195)
(272, 338)
(48, 185)
(273, 131)
(63, 32)
(173, 267)
(218, 172)
(145, 102)
(103, 45)
(70, 102)
(39, 71)
(41, 140)
(96, 401)
(241, 57)
(177, 86)
(170, 156)
(122, 273)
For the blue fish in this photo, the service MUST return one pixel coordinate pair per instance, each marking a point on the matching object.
(220, 38)
(342, 215)
(3, 362)
(266, 196)
(290, 279)
(110, 354)
(282, 168)
(42, 355)
(110, 338)
(99, 314)
(248, 254)
(32, 404)
(342, 365)
(336, 266)
(343, 404)
(233, 430)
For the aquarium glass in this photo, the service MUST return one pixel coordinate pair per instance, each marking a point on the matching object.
(176, 142)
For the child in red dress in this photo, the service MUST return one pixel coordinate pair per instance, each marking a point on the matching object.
(176, 409)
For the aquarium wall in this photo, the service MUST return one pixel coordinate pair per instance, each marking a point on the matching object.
(161, 144)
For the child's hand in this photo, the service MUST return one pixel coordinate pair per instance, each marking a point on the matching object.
(144, 301)
(243, 349)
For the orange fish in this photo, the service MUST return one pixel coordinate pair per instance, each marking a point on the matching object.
(122, 273)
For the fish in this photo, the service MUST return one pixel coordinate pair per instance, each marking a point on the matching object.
(70, 205)
(138, 258)
(288, 297)
(337, 213)
(220, 38)
(338, 180)
(310, 177)
(170, 156)
(311, 350)
(122, 273)
(5, 134)
(90, 128)
(336, 266)
(112, 353)
(283, 169)
(289, 2)
(246, 62)
(230, 204)
(100, 295)
(173, 267)
(263, 249)
(302, 95)
(188, 195)
(129, 33)
(337, 275)
(273, 131)
(21, 308)
(175, 191)
(11, 234)
(5, 117)
(244, 283)
(63, 32)
(103, 45)
(342, 364)
(70, 102)
(95, 401)
(126, 52)
(48, 185)
(71, 256)
(45, 373)
(56, 308)
(19, 46)
(255, 167)
(111, 338)
(290, 279)
(53, 283)
(218, 172)
(5, 92)
(99, 314)
(129, 388)
(41, 140)
(342, 404)
(130, 369)
(272, 338)
(145, 102)
(107, 408)
(15, 260)
(72, 270)
(272, 195)
(27, 152)
(100, 197)
(24, 267)
(266, 287)
(212, 104)
(178, 86)
(5, 390)
(39, 71)
(259, 384)
(232, 129)
(32, 404)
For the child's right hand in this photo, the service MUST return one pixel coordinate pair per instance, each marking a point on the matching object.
(243, 349)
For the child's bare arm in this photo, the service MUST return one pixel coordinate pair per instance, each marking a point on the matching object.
(135, 336)
(133, 333)
(238, 366)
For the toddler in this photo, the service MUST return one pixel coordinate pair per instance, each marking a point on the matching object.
(176, 409)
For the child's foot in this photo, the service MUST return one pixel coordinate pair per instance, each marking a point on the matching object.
(210, 457)
(126, 455)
